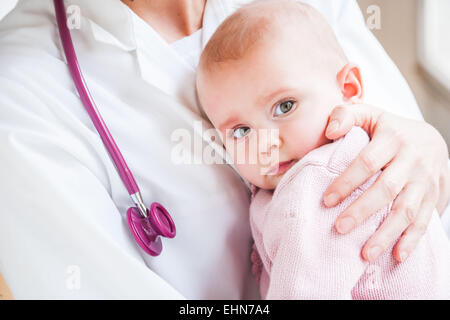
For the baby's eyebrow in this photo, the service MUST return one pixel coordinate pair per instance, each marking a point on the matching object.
(227, 123)
(271, 96)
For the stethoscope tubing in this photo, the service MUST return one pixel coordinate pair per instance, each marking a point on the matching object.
(147, 226)
(88, 102)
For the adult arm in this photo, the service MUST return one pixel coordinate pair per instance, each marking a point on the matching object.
(416, 176)
(396, 138)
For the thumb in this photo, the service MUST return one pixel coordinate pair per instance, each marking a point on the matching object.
(344, 117)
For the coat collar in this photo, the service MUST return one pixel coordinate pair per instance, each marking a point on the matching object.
(109, 21)
(112, 22)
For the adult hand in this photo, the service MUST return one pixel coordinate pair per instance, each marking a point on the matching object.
(416, 177)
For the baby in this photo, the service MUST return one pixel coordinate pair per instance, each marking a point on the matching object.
(268, 80)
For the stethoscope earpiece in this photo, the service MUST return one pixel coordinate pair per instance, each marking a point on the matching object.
(147, 231)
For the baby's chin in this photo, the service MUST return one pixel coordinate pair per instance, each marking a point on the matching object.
(266, 178)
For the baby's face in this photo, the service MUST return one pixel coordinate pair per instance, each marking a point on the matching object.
(270, 108)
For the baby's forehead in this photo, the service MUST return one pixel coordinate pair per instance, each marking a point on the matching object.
(265, 22)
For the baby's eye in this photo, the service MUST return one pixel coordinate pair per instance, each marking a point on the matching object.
(241, 132)
(284, 108)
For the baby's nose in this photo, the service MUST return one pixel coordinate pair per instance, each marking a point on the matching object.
(269, 140)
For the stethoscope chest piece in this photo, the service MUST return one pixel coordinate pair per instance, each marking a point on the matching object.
(147, 231)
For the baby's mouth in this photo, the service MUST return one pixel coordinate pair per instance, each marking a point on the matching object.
(280, 168)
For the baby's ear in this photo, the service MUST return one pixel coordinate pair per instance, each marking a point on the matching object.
(350, 83)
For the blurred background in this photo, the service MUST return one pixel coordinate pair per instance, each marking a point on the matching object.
(416, 34)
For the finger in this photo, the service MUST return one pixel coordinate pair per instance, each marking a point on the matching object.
(412, 235)
(344, 117)
(370, 160)
(444, 191)
(403, 213)
(385, 189)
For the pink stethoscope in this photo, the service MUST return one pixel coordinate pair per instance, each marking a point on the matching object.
(146, 225)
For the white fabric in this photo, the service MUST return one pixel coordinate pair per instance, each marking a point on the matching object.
(63, 203)
(190, 48)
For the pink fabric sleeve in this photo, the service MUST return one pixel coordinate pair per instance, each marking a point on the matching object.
(259, 272)
(309, 259)
(302, 255)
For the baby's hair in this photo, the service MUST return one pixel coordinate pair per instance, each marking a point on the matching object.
(261, 20)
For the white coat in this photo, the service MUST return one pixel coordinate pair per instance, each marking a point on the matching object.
(62, 227)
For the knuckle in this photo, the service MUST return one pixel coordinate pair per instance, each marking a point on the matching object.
(435, 194)
(404, 216)
(341, 187)
(337, 113)
(339, 109)
(345, 186)
(435, 186)
(432, 185)
(433, 190)
(361, 211)
(391, 188)
(408, 214)
(369, 163)
(415, 157)
(420, 162)
(386, 123)
(421, 158)
(420, 228)
(402, 139)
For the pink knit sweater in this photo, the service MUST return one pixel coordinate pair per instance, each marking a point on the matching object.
(301, 256)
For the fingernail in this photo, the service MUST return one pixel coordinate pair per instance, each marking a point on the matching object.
(403, 255)
(333, 126)
(373, 253)
(345, 225)
(331, 199)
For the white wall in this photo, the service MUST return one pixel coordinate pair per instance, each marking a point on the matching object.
(398, 35)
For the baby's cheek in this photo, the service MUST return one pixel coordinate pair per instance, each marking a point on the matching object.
(253, 173)
(308, 135)
(249, 172)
